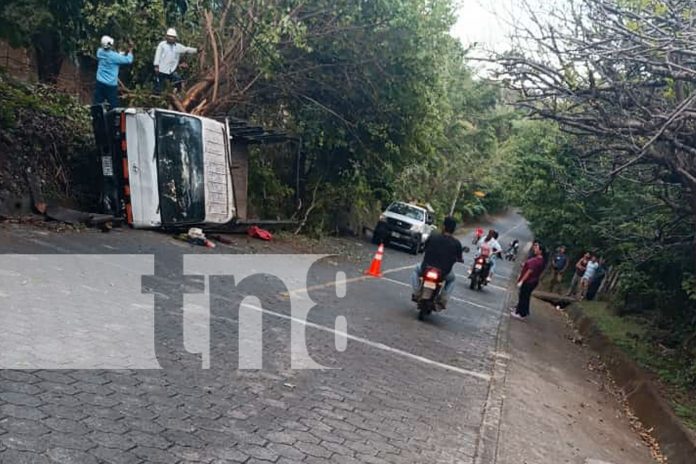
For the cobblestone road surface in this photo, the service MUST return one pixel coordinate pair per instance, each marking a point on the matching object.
(403, 391)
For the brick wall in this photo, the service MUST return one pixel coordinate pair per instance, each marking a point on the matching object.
(20, 64)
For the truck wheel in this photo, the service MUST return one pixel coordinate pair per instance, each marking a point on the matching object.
(415, 246)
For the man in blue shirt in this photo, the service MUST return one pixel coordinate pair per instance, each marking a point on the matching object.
(559, 265)
(106, 87)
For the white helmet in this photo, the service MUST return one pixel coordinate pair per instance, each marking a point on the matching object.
(171, 32)
(107, 42)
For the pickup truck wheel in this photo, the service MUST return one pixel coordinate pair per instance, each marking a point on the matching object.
(416, 246)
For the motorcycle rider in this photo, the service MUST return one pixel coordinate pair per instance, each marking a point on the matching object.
(477, 235)
(512, 249)
(442, 251)
(489, 249)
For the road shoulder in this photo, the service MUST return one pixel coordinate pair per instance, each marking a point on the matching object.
(556, 409)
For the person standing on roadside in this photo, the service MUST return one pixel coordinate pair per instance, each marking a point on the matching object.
(110, 61)
(527, 282)
(596, 282)
(587, 277)
(580, 267)
(559, 265)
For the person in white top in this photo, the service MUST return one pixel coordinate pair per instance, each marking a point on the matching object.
(587, 277)
(490, 248)
(166, 61)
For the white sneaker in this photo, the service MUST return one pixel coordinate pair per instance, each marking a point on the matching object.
(518, 317)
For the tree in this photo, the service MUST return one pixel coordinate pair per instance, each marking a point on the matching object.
(49, 27)
(617, 74)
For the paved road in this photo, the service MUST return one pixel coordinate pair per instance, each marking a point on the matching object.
(402, 391)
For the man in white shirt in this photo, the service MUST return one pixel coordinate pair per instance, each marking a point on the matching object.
(167, 60)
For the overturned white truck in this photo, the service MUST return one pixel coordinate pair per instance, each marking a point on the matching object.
(165, 169)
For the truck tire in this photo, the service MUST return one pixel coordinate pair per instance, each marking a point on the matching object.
(416, 246)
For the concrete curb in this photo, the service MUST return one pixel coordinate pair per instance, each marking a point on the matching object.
(676, 441)
(487, 446)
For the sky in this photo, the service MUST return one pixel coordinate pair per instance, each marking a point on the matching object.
(488, 23)
(483, 21)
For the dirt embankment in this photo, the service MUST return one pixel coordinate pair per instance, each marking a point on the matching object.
(46, 145)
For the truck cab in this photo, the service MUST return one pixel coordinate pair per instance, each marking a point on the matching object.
(405, 223)
(162, 168)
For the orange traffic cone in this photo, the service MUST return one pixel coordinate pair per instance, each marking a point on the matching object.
(376, 266)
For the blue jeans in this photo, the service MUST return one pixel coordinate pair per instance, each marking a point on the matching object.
(449, 281)
(106, 92)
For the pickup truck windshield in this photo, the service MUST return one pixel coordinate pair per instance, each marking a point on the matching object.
(180, 168)
(408, 211)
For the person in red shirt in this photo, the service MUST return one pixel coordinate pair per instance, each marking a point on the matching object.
(529, 279)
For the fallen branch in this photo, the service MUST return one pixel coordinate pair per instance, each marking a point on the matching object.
(311, 208)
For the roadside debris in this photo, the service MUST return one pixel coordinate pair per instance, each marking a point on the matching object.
(608, 384)
(221, 239)
(70, 216)
(195, 236)
(105, 222)
(257, 232)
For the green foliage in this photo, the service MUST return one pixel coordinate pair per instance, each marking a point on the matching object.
(689, 285)
(21, 20)
(272, 196)
(641, 237)
(46, 133)
(635, 335)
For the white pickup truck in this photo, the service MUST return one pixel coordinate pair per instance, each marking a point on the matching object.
(405, 223)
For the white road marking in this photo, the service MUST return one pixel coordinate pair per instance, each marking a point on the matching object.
(497, 287)
(520, 224)
(452, 298)
(342, 281)
(498, 354)
(381, 346)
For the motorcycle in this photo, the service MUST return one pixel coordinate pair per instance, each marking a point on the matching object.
(479, 273)
(511, 253)
(431, 284)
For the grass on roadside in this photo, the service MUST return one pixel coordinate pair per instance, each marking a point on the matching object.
(631, 334)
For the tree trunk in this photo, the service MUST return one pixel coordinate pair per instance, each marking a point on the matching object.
(49, 56)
